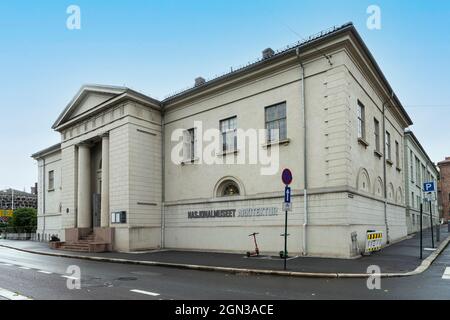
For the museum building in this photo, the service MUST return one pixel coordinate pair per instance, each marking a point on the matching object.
(113, 179)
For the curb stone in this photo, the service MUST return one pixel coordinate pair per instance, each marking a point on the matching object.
(421, 268)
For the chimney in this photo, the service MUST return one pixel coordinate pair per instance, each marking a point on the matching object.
(199, 81)
(267, 53)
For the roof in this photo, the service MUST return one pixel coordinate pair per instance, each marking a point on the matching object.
(17, 193)
(289, 50)
(444, 162)
(413, 136)
(116, 92)
(46, 151)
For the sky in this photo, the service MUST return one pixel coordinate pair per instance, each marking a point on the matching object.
(159, 47)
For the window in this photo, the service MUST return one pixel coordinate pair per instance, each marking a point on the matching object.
(424, 174)
(388, 146)
(228, 188)
(276, 122)
(412, 199)
(417, 171)
(51, 180)
(228, 131)
(418, 202)
(361, 121)
(376, 124)
(411, 166)
(189, 144)
(397, 154)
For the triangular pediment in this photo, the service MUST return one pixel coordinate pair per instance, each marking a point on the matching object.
(88, 98)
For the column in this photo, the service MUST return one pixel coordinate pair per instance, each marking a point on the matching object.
(84, 213)
(104, 218)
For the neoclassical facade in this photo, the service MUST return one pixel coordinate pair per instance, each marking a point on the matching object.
(136, 173)
(419, 169)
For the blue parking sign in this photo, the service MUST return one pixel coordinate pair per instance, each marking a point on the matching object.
(429, 187)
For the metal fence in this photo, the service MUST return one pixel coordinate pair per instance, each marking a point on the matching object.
(19, 236)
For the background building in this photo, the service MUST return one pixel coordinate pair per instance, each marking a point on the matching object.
(444, 188)
(419, 169)
(12, 199)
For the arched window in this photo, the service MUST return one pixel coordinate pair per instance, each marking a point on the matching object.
(378, 188)
(363, 182)
(390, 193)
(399, 195)
(228, 188)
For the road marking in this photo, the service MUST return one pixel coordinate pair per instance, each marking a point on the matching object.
(429, 249)
(7, 264)
(24, 268)
(145, 292)
(12, 295)
(446, 275)
(70, 277)
(46, 272)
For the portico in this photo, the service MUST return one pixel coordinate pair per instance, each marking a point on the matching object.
(101, 177)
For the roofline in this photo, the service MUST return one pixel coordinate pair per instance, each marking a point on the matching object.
(323, 36)
(116, 90)
(378, 69)
(289, 50)
(416, 141)
(46, 151)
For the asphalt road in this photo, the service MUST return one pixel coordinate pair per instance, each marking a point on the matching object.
(26, 275)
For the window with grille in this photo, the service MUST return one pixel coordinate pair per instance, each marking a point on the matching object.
(228, 129)
(51, 180)
(388, 146)
(361, 121)
(376, 124)
(275, 118)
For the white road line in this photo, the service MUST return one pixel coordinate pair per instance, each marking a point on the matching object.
(6, 264)
(46, 272)
(70, 277)
(446, 275)
(145, 292)
(24, 268)
(12, 295)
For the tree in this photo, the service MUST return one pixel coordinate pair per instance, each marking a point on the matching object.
(23, 220)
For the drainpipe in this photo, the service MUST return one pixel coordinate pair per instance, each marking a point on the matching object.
(163, 195)
(384, 169)
(305, 171)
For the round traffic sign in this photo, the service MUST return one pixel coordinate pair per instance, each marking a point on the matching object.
(286, 176)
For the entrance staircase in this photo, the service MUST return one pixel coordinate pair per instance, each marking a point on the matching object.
(84, 244)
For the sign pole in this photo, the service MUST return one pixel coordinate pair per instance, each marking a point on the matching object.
(286, 177)
(421, 243)
(431, 226)
(285, 238)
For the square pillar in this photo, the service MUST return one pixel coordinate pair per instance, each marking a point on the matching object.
(84, 213)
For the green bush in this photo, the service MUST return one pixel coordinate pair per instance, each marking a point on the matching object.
(23, 220)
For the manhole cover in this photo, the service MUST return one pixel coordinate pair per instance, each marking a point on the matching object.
(126, 279)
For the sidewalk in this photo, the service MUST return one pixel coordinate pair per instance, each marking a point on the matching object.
(400, 257)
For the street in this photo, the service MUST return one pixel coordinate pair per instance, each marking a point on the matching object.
(26, 275)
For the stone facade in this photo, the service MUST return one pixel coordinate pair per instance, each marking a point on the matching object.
(418, 170)
(354, 179)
